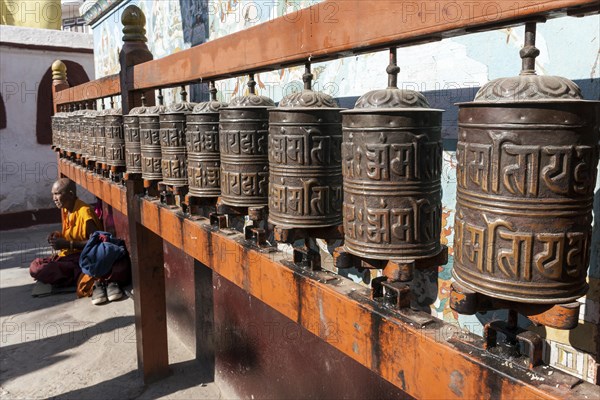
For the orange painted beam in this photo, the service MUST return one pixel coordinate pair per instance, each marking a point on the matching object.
(423, 360)
(99, 88)
(337, 28)
(342, 313)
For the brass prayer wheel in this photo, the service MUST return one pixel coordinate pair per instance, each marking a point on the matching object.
(88, 121)
(69, 128)
(150, 142)
(92, 122)
(392, 164)
(202, 142)
(115, 138)
(243, 145)
(100, 136)
(58, 121)
(133, 151)
(527, 158)
(305, 166)
(172, 142)
(76, 126)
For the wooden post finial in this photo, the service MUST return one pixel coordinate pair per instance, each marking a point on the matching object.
(59, 71)
(134, 21)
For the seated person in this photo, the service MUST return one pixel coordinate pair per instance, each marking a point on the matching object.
(79, 222)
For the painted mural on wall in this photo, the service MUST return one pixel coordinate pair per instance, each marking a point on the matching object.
(447, 72)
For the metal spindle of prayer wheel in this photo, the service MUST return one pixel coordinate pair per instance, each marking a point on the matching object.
(202, 140)
(243, 135)
(150, 145)
(133, 151)
(527, 158)
(173, 142)
(305, 183)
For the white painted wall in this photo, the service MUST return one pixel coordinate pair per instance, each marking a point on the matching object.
(28, 169)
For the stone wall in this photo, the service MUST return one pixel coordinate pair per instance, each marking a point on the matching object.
(28, 168)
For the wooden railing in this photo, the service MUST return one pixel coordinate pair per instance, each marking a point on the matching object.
(403, 346)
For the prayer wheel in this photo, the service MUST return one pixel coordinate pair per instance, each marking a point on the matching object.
(68, 132)
(527, 158)
(392, 164)
(150, 142)
(202, 142)
(172, 143)
(133, 151)
(115, 138)
(100, 136)
(92, 122)
(57, 123)
(305, 166)
(77, 126)
(88, 120)
(243, 146)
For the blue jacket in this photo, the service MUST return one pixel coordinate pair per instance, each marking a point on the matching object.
(99, 254)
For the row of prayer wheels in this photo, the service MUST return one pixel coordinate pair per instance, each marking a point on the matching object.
(526, 156)
(90, 135)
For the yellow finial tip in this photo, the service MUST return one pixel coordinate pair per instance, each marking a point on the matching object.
(59, 71)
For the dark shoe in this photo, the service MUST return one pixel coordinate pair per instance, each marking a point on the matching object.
(99, 293)
(113, 291)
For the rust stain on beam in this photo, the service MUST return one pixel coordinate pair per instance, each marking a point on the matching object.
(335, 28)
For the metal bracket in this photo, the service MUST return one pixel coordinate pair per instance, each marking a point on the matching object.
(258, 235)
(218, 220)
(394, 295)
(256, 231)
(560, 316)
(514, 336)
(307, 258)
(200, 207)
(290, 235)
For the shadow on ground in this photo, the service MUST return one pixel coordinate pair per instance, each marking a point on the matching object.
(48, 342)
(184, 375)
(9, 307)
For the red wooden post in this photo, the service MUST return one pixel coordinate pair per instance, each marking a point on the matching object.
(146, 247)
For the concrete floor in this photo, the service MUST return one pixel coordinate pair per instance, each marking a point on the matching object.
(62, 347)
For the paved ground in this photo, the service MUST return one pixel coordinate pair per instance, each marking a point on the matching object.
(66, 348)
